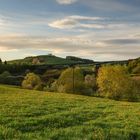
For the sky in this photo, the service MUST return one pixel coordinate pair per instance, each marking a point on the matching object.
(101, 30)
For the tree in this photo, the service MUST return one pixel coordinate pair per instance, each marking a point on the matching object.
(32, 81)
(67, 81)
(0, 61)
(5, 62)
(113, 81)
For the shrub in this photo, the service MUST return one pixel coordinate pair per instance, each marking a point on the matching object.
(32, 81)
(113, 81)
(7, 78)
(12, 80)
(5, 74)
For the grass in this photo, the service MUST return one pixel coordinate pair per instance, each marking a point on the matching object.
(47, 59)
(27, 115)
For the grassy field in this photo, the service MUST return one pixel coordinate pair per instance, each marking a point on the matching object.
(37, 115)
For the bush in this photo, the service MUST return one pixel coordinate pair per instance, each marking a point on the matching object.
(5, 74)
(114, 82)
(32, 81)
(7, 78)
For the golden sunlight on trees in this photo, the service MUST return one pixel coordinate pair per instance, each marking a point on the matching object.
(67, 83)
(32, 81)
(115, 82)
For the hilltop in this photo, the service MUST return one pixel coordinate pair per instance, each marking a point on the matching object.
(68, 60)
(50, 59)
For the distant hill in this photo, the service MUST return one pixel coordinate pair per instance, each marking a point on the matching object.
(69, 60)
(79, 60)
(137, 60)
(50, 60)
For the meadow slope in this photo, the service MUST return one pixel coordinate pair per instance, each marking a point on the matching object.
(38, 115)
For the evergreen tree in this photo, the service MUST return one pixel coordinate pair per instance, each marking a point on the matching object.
(0, 61)
(5, 62)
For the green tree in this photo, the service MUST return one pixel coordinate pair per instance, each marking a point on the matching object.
(0, 61)
(113, 81)
(71, 80)
(5, 62)
(32, 81)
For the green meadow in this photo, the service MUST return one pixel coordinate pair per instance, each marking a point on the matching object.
(34, 115)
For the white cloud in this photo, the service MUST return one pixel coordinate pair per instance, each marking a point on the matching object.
(96, 49)
(96, 26)
(64, 23)
(6, 49)
(66, 2)
(86, 22)
(76, 21)
(77, 17)
(2, 21)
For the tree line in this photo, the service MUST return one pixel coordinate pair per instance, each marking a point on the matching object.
(113, 82)
(119, 82)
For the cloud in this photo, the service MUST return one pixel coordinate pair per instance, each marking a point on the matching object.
(92, 26)
(6, 49)
(77, 17)
(39, 42)
(127, 41)
(64, 23)
(88, 22)
(109, 5)
(66, 2)
(76, 21)
(1, 22)
(70, 45)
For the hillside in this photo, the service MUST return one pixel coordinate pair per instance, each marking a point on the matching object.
(69, 60)
(49, 59)
(134, 66)
(30, 115)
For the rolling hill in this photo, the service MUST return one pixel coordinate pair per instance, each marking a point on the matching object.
(69, 60)
(49, 60)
